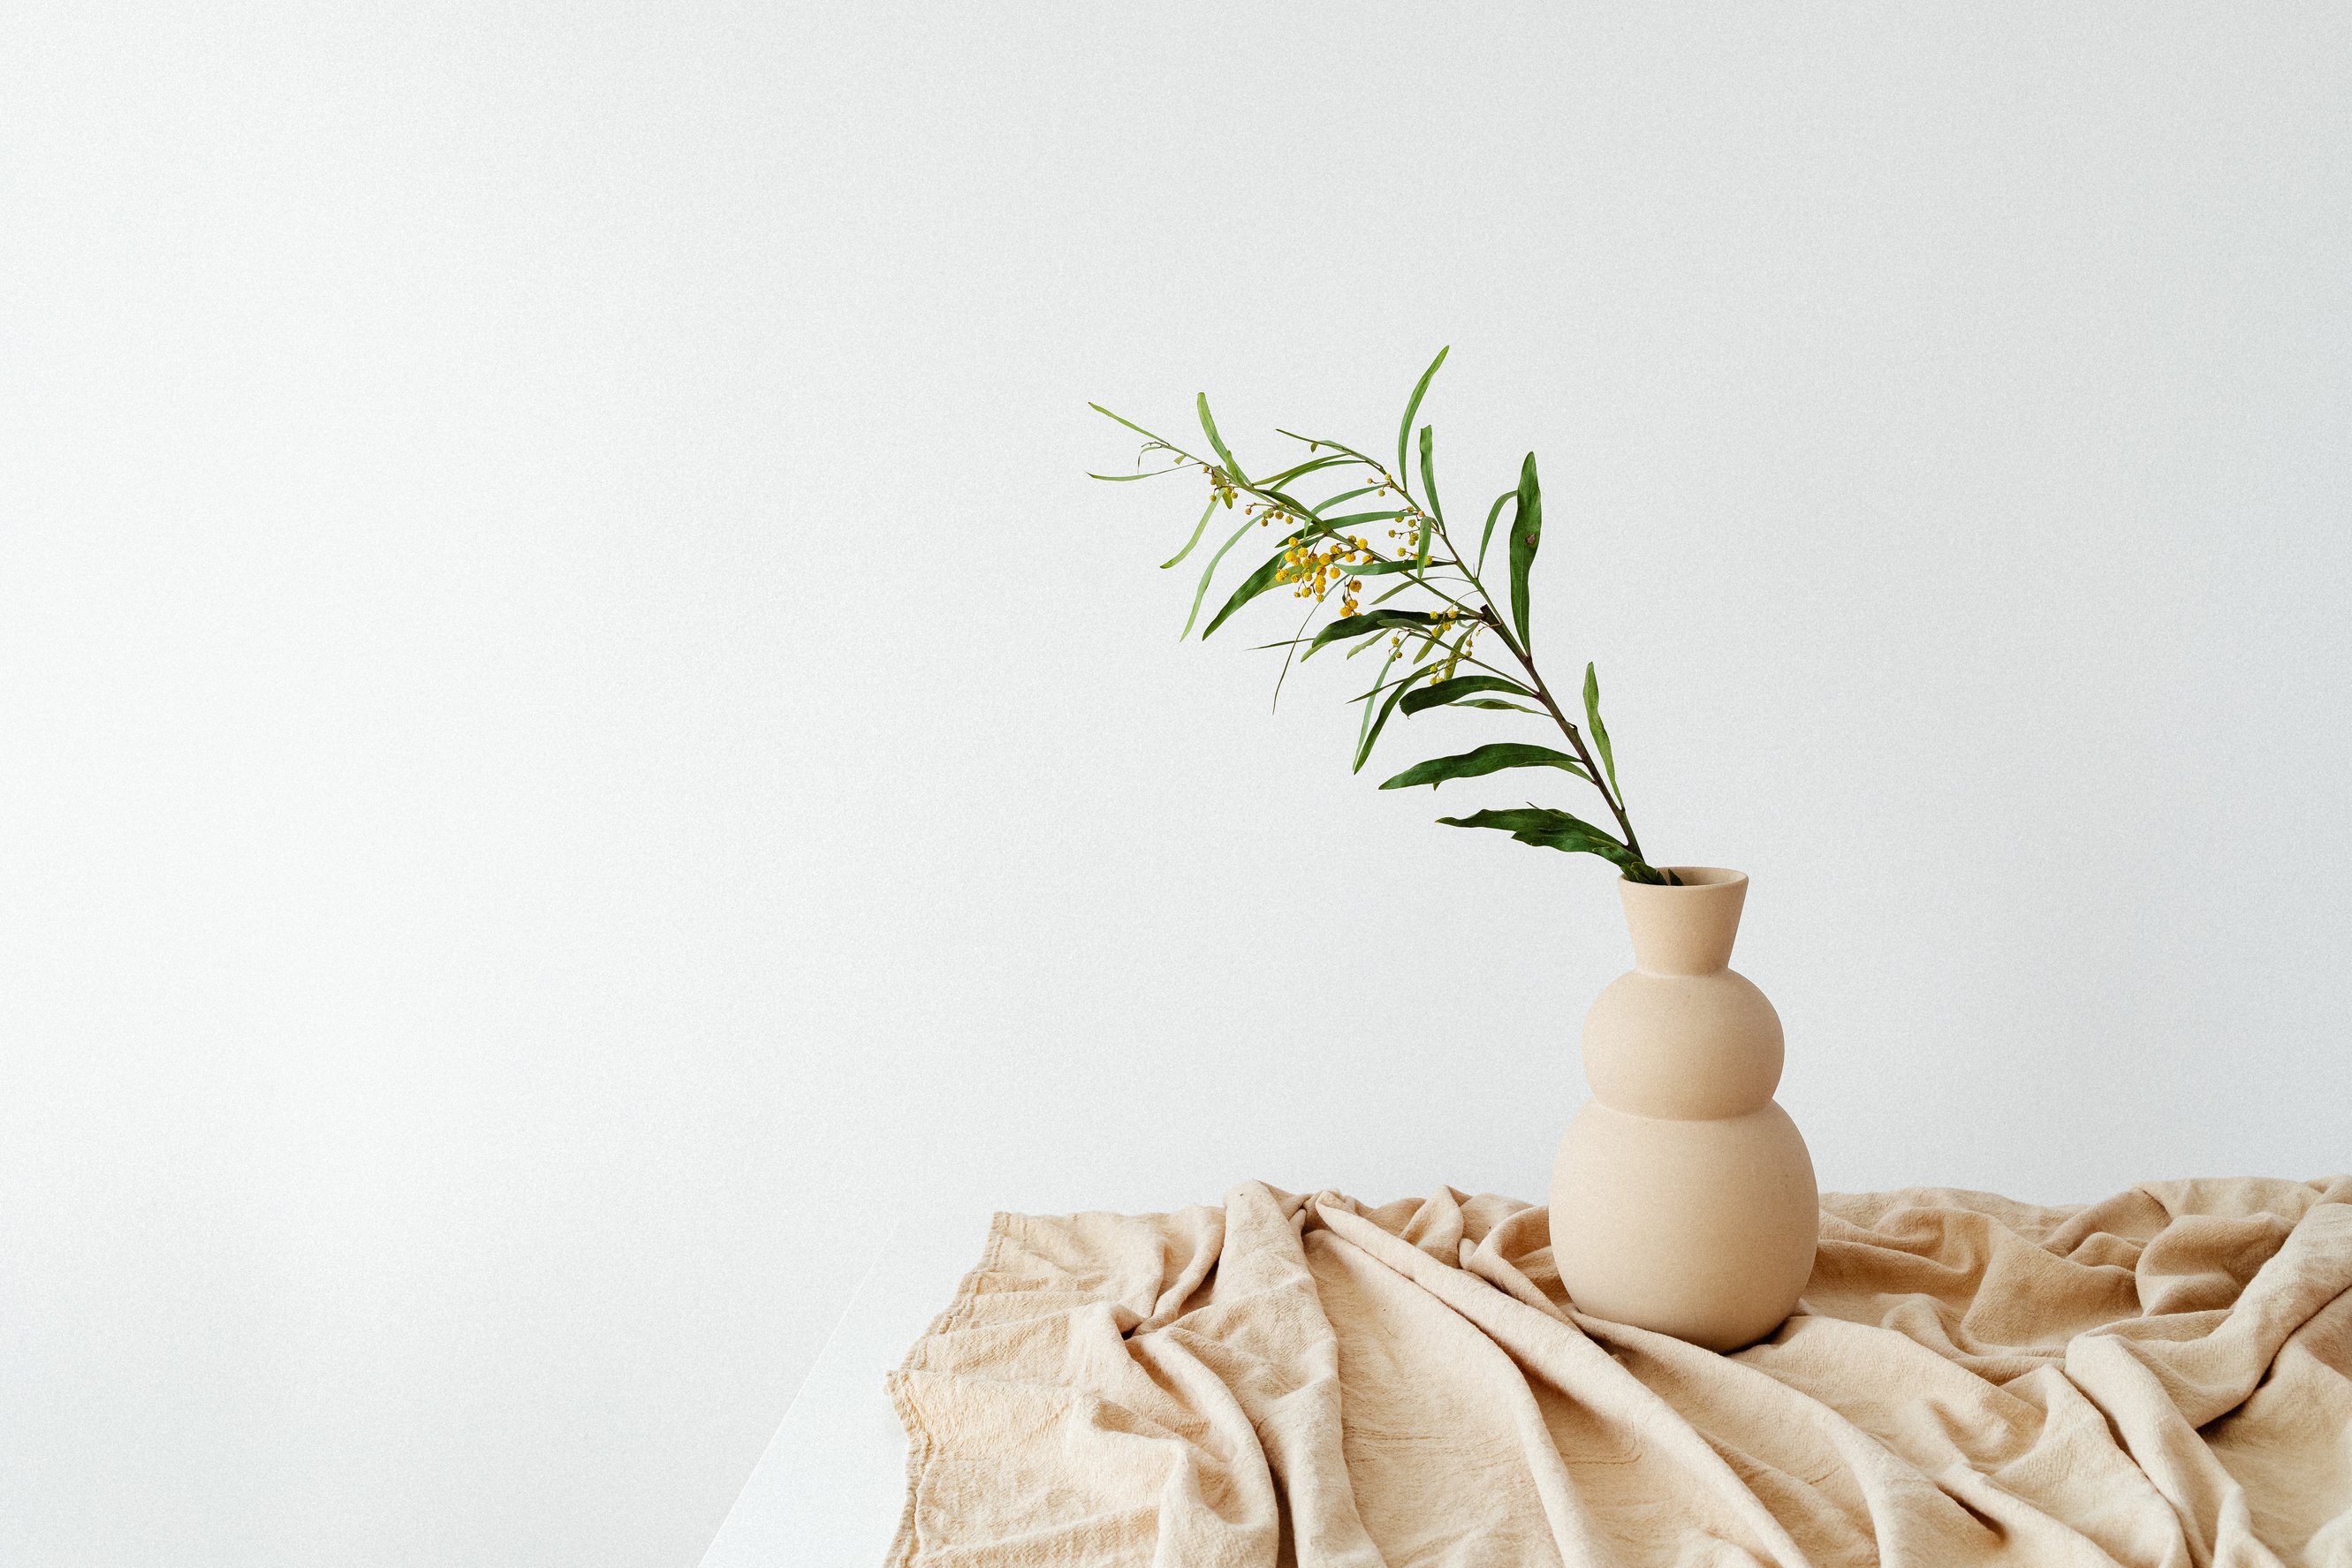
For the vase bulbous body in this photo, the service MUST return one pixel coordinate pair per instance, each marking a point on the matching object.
(1683, 1199)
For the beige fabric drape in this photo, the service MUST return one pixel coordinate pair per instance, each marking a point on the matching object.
(2164, 1377)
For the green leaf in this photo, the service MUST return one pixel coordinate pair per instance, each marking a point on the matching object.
(1420, 545)
(1429, 470)
(1404, 425)
(1288, 502)
(1140, 431)
(1381, 567)
(1446, 692)
(1599, 730)
(1364, 731)
(1257, 582)
(1500, 707)
(1527, 820)
(1203, 592)
(1317, 510)
(1288, 474)
(1526, 532)
(1485, 759)
(1353, 517)
(1209, 425)
(1371, 620)
(1131, 478)
(1492, 512)
(1553, 830)
(1198, 529)
(1323, 441)
(1372, 735)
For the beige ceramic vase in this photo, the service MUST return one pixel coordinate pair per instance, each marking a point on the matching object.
(1683, 1199)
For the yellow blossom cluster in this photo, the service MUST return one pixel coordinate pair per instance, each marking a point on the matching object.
(1317, 569)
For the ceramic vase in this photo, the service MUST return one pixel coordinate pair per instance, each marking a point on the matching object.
(1683, 1199)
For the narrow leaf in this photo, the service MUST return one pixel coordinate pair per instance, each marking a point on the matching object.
(1288, 474)
(1371, 620)
(1500, 707)
(1257, 582)
(1203, 592)
(1526, 531)
(1527, 820)
(1492, 512)
(1209, 425)
(1553, 830)
(1381, 567)
(1485, 759)
(1404, 425)
(1429, 470)
(1372, 735)
(1445, 693)
(1140, 430)
(1198, 529)
(1328, 501)
(1364, 731)
(1326, 440)
(1353, 517)
(1429, 488)
(1287, 501)
(1131, 478)
(1599, 730)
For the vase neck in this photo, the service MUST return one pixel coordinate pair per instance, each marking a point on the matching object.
(1685, 930)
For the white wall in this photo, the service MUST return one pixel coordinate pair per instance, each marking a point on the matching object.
(574, 740)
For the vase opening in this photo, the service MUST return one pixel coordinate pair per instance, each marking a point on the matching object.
(1687, 929)
(1705, 875)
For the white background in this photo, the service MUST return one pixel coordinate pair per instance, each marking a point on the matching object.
(574, 740)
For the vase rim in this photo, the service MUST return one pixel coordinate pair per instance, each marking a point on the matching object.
(1692, 876)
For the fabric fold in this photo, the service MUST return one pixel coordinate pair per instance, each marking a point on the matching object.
(2161, 1378)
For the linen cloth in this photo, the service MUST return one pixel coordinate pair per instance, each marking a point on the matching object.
(2163, 1377)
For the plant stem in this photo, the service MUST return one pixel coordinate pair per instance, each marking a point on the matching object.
(1575, 737)
(1485, 612)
